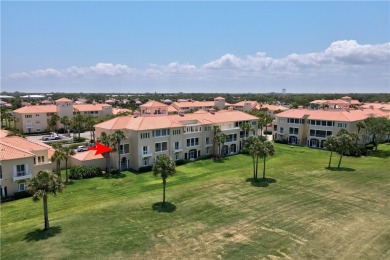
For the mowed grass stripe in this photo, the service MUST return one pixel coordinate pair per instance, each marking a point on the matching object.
(308, 212)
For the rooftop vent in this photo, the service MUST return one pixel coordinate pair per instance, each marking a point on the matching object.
(212, 110)
(181, 113)
(136, 114)
(230, 108)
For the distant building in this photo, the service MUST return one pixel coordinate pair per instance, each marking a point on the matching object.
(33, 119)
(334, 104)
(186, 106)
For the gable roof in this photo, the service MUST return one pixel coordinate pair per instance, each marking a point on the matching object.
(153, 103)
(87, 156)
(10, 152)
(25, 144)
(64, 100)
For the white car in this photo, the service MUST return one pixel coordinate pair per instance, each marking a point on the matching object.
(82, 148)
(51, 138)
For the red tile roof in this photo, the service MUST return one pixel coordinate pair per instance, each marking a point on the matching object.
(3, 133)
(335, 115)
(87, 156)
(171, 121)
(10, 152)
(153, 103)
(25, 144)
(64, 100)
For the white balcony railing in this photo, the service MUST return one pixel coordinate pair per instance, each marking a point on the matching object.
(22, 176)
(146, 154)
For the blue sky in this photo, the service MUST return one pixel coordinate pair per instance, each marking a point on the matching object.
(195, 46)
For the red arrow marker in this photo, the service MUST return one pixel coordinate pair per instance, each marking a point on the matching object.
(100, 149)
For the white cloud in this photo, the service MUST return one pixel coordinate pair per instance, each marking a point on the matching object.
(342, 59)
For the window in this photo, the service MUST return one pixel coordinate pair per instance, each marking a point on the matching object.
(192, 129)
(37, 115)
(207, 150)
(176, 156)
(253, 122)
(145, 150)
(192, 141)
(21, 186)
(295, 121)
(1, 172)
(124, 148)
(160, 147)
(330, 123)
(37, 122)
(27, 116)
(342, 125)
(38, 130)
(320, 133)
(293, 131)
(282, 120)
(208, 140)
(145, 135)
(145, 161)
(41, 159)
(160, 132)
(231, 138)
(207, 128)
(176, 132)
(20, 170)
(177, 145)
(281, 130)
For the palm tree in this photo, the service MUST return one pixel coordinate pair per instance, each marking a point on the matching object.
(266, 149)
(105, 140)
(66, 122)
(67, 152)
(267, 120)
(216, 132)
(331, 145)
(89, 125)
(252, 145)
(57, 157)
(245, 127)
(42, 184)
(78, 123)
(52, 122)
(165, 167)
(116, 139)
(261, 123)
(344, 143)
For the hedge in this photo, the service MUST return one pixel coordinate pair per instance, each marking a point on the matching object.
(84, 172)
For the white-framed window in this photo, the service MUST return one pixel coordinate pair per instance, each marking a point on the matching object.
(207, 150)
(27, 116)
(342, 125)
(208, 140)
(37, 122)
(293, 130)
(254, 122)
(145, 150)
(176, 131)
(41, 159)
(160, 132)
(145, 135)
(281, 130)
(207, 128)
(231, 138)
(192, 129)
(124, 148)
(20, 170)
(282, 120)
(176, 156)
(21, 186)
(36, 115)
(192, 142)
(160, 147)
(177, 145)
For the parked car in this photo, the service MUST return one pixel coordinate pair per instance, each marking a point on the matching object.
(82, 148)
(50, 138)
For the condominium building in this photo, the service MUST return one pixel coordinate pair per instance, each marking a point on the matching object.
(181, 136)
(20, 160)
(33, 119)
(186, 106)
(312, 127)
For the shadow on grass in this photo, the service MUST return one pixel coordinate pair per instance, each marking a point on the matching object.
(167, 208)
(41, 234)
(70, 182)
(379, 154)
(341, 169)
(115, 176)
(260, 182)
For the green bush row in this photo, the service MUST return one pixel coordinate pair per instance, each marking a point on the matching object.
(85, 172)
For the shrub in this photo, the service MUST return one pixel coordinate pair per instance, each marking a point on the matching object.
(85, 172)
(114, 171)
(78, 140)
(21, 195)
(145, 169)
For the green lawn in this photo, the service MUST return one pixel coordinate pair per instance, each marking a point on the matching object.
(307, 212)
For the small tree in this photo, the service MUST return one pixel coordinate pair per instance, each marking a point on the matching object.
(252, 145)
(377, 128)
(216, 132)
(245, 127)
(105, 140)
(165, 167)
(40, 186)
(57, 157)
(52, 122)
(331, 145)
(66, 122)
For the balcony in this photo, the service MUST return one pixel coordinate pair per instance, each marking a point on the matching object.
(21, 176)
(146, 154)
(178, 150)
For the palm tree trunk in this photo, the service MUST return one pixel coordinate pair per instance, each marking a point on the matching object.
(254, 168)
(45, 212)
(164, 182)
(119, 160)
(330, 159)
(257, 167)
(341, 156)
(66, 171)
(264, 168)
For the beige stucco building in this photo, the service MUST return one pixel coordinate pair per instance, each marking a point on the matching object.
(311, 127)
(182, 136)
(20, 160)
(33, 119)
